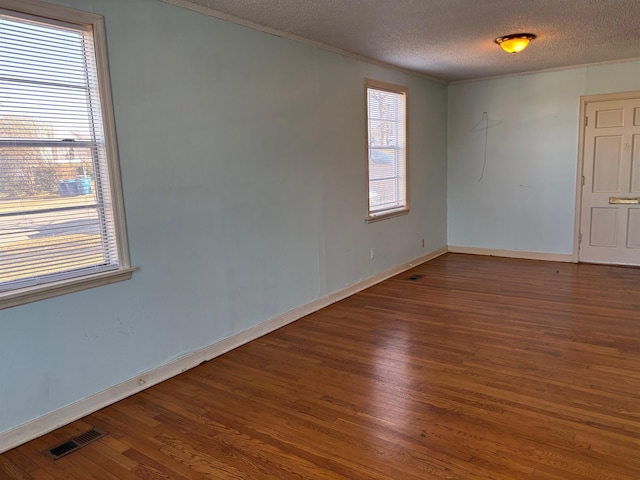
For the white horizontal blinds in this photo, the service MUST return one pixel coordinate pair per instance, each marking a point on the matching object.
(56, 219)
(387, 150)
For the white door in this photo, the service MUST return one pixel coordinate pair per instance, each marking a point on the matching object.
(610, 208)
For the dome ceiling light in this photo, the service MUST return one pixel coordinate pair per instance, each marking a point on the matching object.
(516, 42)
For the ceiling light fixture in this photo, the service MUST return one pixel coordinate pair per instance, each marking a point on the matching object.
(515, 42)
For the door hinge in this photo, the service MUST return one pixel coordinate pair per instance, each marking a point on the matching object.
(586, 121)
(583, 180)
(579, 238)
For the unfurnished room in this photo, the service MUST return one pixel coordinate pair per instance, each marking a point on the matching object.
(341, 239)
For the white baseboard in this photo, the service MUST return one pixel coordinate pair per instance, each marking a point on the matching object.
(550, 257)
(50, 421)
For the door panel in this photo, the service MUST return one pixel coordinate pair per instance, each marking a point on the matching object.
(635, 165)
(633, 233)
(606, 168)
(603, 227)
(610, 118)
(610, 228)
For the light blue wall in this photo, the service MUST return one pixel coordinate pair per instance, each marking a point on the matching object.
(243, 163)
(526, 198)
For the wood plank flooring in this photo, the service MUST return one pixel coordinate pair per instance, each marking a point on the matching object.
(477, 368)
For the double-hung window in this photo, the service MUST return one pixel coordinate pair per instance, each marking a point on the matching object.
(387, 149)
(61, 214)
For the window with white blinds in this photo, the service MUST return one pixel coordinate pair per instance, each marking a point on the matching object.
(60, 215)
(387, 149)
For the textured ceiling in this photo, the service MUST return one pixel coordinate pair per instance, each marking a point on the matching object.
(450, 40)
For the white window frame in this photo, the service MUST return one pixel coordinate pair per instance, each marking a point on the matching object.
(401, 155)
(55, 13)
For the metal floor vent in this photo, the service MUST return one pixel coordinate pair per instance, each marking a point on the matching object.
(74, 443)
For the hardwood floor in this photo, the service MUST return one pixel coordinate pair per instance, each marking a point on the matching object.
(478, 368)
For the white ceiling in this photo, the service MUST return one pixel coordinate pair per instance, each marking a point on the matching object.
(450, 40)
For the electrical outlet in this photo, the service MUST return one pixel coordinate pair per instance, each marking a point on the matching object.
(373, 253)
(423, 243)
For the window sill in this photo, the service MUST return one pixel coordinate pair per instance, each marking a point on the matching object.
(21, 296)
(384, 216)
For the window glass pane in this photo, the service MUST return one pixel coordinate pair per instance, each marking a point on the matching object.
(56, 218)
(41, 53)
(387, 149)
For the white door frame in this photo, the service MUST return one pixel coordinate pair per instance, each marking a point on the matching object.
(584, 101)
